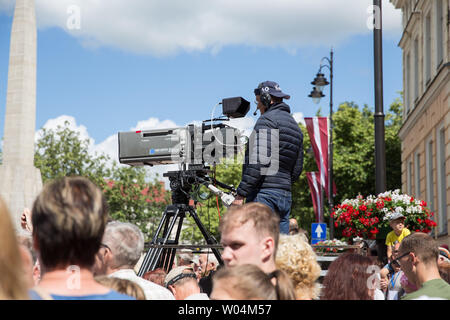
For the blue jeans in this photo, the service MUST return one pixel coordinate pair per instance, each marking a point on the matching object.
(279, 201)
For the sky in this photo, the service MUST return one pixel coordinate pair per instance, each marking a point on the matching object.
(112, 66)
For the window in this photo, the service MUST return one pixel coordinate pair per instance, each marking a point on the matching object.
(409, 178)
(408, 86)
(439, 32)
(441, 181)
(417, 175)
(429, 174)
(416, 69)
(427, 47)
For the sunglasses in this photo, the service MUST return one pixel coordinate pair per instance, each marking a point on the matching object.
(397, 260)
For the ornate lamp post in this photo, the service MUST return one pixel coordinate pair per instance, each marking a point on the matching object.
(319, 84)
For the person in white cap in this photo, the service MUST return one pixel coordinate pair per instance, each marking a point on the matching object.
(397, 223)
(182, 282)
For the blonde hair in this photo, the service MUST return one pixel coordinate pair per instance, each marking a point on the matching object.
(124, 286)
(69, 218)
(12, 277)
(248, 281)
(297, 258)
(265, 221)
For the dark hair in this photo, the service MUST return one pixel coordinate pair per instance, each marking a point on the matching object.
(346, 278)
(69, 218)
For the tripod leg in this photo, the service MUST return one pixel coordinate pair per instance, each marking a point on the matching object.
(152, 257)
(206, 235)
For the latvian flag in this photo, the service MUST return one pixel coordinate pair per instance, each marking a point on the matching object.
(316, 194)
(318, 133)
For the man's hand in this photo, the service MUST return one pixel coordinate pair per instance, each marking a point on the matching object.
(238, 201)
(25, 220)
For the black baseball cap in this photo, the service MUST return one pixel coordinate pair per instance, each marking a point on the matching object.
(271, 88)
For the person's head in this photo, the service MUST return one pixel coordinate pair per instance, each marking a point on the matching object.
(297, 258)
(208, 262)
(347, 278)
(293, 226)
(397, 222)
(249, 234)
(69, 218)
(248, 282)
(13, 284)
(185, 258)
(418, 253)
(395, 255)
(123, 286)
(182, 282)
(121, 247)
(156, 276)
(268, 93)
(444, 258)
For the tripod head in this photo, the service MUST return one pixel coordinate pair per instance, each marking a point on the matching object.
(182, 182)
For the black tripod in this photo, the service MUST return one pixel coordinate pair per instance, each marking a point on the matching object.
(162, 248)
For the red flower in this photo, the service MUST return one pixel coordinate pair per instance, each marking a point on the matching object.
(374, 230)
(380, 204)
(362, 207)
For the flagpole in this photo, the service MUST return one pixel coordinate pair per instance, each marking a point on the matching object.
(330, 153)
(319, 83)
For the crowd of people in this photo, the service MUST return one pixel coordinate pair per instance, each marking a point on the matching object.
(70, 250)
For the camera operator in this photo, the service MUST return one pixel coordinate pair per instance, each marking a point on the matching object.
(258, 184)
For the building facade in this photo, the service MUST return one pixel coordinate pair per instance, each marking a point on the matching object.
(425, 133)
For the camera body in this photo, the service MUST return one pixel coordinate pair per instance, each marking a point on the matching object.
(205, 143)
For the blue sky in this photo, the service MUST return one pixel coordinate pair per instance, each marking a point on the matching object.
(109, 80)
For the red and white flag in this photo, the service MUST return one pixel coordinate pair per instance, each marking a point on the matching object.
(316, 194)
(318, 128)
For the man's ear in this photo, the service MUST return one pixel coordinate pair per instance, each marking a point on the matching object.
(173, 289)
(415, 259)
(268, 247)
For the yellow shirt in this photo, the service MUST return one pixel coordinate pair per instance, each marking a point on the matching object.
(391, 237)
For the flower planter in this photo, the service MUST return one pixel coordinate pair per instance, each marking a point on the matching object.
(369, 217)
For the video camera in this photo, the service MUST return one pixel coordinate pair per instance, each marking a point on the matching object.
(192, 144)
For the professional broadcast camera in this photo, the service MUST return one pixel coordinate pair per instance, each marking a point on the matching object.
(193, 147)
(207, 143)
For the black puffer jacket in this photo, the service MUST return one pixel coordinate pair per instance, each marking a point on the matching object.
(259, 173)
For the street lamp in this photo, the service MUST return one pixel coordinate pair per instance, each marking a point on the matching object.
(319, 84)
(316, 95)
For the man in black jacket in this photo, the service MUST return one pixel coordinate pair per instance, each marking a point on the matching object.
(274, 154)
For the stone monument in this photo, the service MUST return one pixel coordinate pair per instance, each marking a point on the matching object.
(20, 181)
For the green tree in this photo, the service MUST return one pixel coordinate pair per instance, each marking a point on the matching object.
(132, 198)
(61, 152)
(131, 195)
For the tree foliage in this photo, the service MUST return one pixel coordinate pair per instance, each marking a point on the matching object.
(131, 195)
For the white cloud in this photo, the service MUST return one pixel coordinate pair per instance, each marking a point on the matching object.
(52, 124)
(161, 27)
(299, 117)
